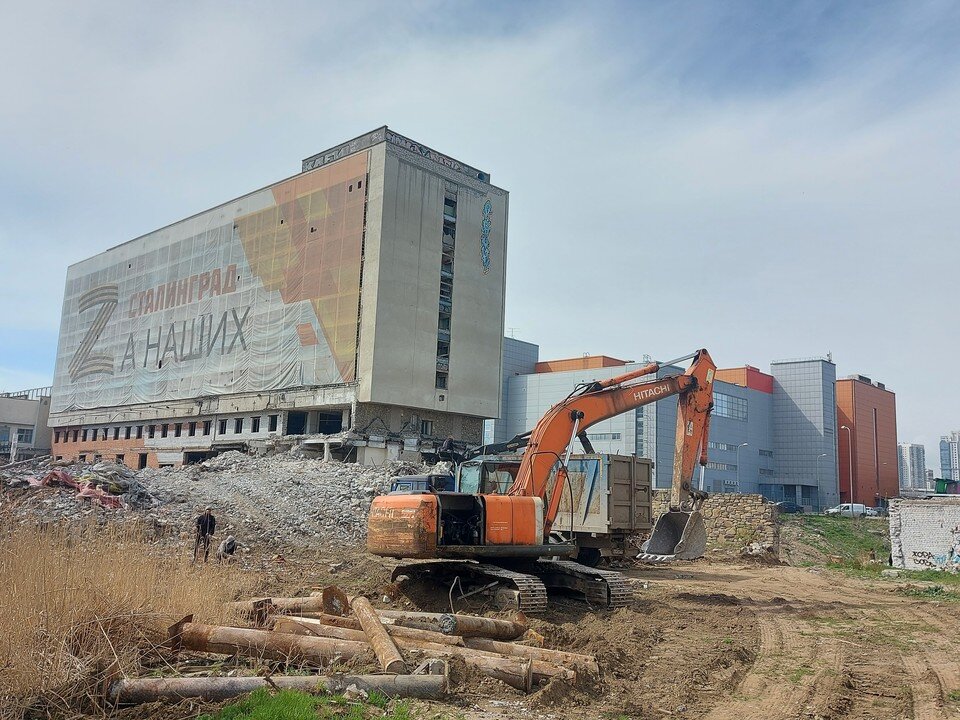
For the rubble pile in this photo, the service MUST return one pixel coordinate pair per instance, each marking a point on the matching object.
(279, 500)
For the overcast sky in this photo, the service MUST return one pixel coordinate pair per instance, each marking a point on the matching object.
(768, 180)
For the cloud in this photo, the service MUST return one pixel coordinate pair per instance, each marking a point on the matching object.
(764, 180)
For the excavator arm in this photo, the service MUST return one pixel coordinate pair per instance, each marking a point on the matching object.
(550, 444)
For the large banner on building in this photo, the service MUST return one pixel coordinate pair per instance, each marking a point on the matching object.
(260, 294)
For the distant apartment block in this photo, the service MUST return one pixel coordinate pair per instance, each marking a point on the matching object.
(950, 456)
(912, 462)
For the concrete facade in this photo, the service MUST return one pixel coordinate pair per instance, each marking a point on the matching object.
(427, 329)
(24, 431)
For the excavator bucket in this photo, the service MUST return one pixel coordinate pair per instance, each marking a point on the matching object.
(678, 535)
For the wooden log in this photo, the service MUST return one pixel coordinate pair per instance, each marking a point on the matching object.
(493, 664)
(397, 631)
(384, 648)
(143, 690)
(581, 663)
(314, 651)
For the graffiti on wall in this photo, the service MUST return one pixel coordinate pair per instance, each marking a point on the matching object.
(948, 560)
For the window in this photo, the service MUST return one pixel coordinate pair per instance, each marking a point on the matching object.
(116, 433)
(441, 381)
(238, 426)
(56, 437)
(767, 472)
(127, 431)
(192, 429)
(729, 406)
(25, 435)
(164, 429)
(255, 424)
(603, 436)
(207, 424)
(274, 419)
(75, 433)
(178, 430)
(104, 434)
(151, 431)
(119, 459)
(721, 446)
(83, 458)
(222, 427)
(84, 434)
(426, 427)
(139, 432)
(721, 466)
(766, 453)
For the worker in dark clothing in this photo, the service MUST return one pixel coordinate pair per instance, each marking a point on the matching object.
(447, 446)
(206, 526)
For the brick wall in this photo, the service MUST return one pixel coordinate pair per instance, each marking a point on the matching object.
(925, 534)
(733, 520)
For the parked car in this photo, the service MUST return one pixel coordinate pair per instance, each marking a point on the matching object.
(788, 506)
(877, 512)
(847, 510)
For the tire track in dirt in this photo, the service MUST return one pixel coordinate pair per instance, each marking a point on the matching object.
(934, 672)
(793, 671)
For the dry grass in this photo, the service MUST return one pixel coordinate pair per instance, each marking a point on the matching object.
(74, 601)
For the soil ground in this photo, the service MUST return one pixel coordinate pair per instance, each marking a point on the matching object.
(726, 641)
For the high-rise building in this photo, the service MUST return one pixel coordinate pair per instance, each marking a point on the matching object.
(912, 462)
(867, 419)
(950, 456)
(365, 293)
(804, 429)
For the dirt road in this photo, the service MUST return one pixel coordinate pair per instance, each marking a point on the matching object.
(731, 642)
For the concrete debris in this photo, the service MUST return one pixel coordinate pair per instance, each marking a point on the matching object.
(277, 500)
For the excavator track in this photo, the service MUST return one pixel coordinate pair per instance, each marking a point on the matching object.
(606, 588)
(532, 592)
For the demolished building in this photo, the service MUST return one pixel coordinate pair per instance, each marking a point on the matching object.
(361, 298)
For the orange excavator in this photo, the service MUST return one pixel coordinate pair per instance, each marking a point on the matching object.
(485, 539)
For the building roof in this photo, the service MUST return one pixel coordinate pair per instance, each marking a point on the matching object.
(748, 377)
(587, 362)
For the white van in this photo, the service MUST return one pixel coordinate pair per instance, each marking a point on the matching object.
(847, 510)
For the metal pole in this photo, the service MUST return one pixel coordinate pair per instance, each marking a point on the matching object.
(738, 463)
(849, 461)
(819, 489)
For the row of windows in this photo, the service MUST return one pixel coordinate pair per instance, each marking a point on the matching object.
(721, 466)
(766, 453)
(603, 436)
(729, 406)
(191, 429)
(765, 471)
(721, 446)
(24, 435)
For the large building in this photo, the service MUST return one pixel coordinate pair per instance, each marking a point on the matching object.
(23, 424)
(950, 456)
(364, 294)
(804, 429)
(867, 419)
(743, 431)
(912, 464)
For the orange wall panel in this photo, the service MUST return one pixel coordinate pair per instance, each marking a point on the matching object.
(871, 415)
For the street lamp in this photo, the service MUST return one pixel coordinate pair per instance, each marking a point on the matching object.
(849, 459)
(738, 463)
(819, 489)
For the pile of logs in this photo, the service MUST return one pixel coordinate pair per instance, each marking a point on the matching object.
(411, 648)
